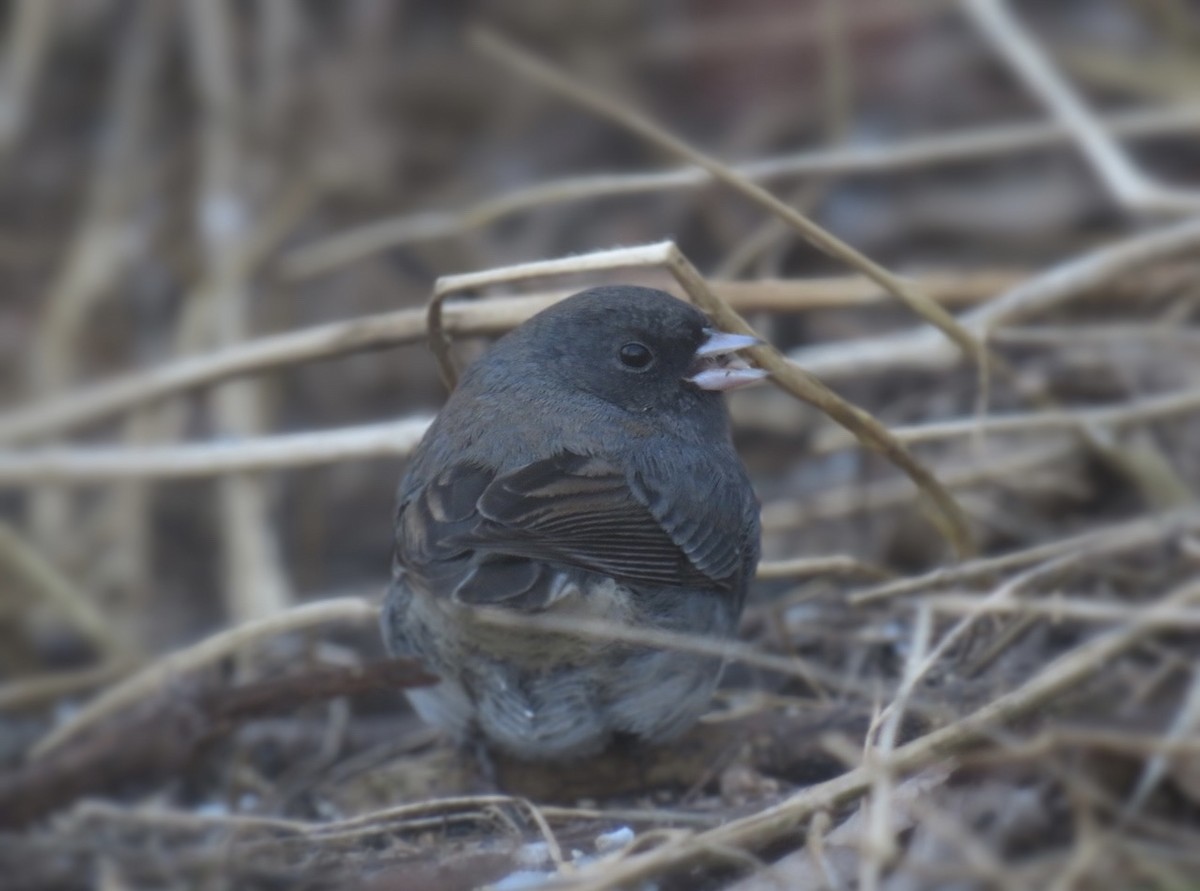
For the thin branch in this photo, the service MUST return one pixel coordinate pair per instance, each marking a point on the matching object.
(1015, 468)
(584, 96)
(360, 242)
(1136, 411)
(879, 833)
(255, 577)
(603, 630)
(91, 404)
(746, 34)
(101, 248)
(787, 375)
(775, 822)
(655, 255)
(917, 668)
(1134, 533)
(50, 585)
(1128, 185)
(1183, 726)
(1111, 335)
(1059, 609)
(807, 567)
(155, 677)
(74, 466)
(948, 516)
(158, 738)
(36, 690)
(28, 36)
(83, 465)
(923, 348)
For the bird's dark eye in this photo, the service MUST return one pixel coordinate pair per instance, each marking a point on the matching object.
(635, 355)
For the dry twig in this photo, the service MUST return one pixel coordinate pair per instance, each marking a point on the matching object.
(358, 243)
(574, 90)
(155, 677)
(774, 822)
(1127, 184)
(788, 376)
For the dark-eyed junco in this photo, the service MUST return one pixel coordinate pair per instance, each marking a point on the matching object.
(583, 467)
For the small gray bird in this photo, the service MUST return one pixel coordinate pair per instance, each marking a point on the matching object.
(583, 467)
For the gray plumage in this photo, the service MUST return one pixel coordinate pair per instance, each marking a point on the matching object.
(562, 476)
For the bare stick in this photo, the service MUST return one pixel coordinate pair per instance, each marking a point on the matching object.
(1133, 533)
(1015, 468)
(603, 630)
(39, 689)
(806, 567)
(646, 255)
(1104, 334)
(46, 582)
(1183, 726)
(255, 579)
(917, 667)
(948, 516)
(1127, 184)
(62, 465)
(1058, 609)
(468, 318)
(774, 822)
(358, 243)
(794, 30)
(100, 248)
(1137, 411)
(76, 466)
(923, 348)
(151, 679)
(879, 832)
(609, 109)
(160, 738)
(788, 376)
(28, 35)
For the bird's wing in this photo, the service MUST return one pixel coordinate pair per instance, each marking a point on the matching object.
(570, 510)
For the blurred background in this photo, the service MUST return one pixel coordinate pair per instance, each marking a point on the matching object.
(179, 178)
